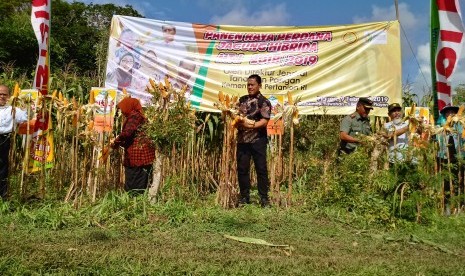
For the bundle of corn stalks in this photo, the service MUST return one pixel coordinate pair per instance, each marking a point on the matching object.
(418, 137)
(170, 125)
(448, 126)
(377, 145)
(91, 173)
(276, 162)
(290, 114)
(454, 125)
(227, 189)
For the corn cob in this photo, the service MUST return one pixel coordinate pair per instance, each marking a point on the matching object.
(183, 89)
(221, 96)
(167, 83)
(75, 105)
(90, 126)
(412, 109)
(412, 127)
(295, 115)
(152, 83)
(161, 87)
(54, 94)
(290, 101)
(448, 123)
(40, 98)
(92, 97)
(236, 120)
(16, 90)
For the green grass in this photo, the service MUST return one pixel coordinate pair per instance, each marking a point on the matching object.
(127, 236)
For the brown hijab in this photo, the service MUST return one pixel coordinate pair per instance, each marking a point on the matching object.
(127, 105)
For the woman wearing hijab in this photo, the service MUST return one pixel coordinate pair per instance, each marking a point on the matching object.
(139, 151)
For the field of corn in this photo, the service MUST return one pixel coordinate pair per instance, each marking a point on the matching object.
(196, 158)
(329, 216)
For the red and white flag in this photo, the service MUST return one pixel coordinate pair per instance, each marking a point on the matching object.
(41, 154)
(446, 46)
(40, 19)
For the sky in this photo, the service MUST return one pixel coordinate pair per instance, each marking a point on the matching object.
(413, 17)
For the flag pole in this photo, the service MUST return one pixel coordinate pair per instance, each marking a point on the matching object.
(434, 33)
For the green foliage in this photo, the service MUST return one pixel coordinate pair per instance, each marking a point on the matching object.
(404, 192)
(71, 84)
(10, 75)
(170, 121)
(175, 212)
(408, 97)
(318, 134)
(18, 44)
(459, 97)
(117, 208)
(79, 34)
(209, 124)
(79, 42)
(179, 238)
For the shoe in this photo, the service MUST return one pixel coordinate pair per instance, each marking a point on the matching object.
(244, 200)
(265, 202)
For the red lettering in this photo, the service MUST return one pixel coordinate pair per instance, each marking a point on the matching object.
(446, 5)
(444, 88)
(44, 29)
(42, 79)
(446, 54)
(43, 53)
(42, 14)
(451, 36)
(38, 3)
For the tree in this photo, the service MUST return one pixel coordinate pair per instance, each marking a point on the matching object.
(18, 43)
(79, 35)
(79, 29)
(458, 98)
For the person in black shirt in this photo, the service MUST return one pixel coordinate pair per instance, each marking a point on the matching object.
(252, 140)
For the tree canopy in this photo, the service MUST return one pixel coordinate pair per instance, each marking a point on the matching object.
(79, 35)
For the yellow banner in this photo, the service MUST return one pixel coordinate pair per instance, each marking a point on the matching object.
(41, 151)
(326, 67)
(38, 131)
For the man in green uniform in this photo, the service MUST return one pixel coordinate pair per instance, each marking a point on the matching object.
(355, 124)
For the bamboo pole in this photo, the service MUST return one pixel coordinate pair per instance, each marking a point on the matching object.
(25, 167)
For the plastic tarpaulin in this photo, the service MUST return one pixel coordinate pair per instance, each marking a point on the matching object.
(326, 67)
